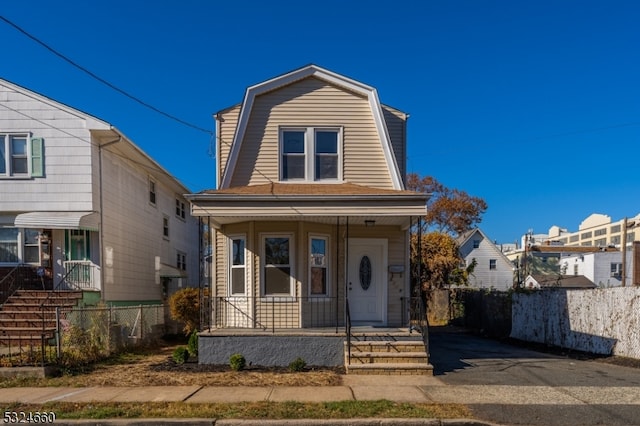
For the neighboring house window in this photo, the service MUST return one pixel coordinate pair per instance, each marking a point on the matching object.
(311, 154)
(614, 229)
(277, 265)
(574, 238)
(492, 264)
(615, 239)
(631, 237)
(318, 266)
(600, 242)
(165, 227)
(78, 244)
(575, 269)
(616, 270)
(181, 261)
(9, 245)
(31, 246)
(180, 209)
(152, 192)
(20, 156)
(476, 243)
(598, 232)
(237, 262)
(19, 245)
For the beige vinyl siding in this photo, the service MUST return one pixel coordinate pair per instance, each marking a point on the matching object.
(398, 285)
(227, 123)
(397, 126)
(310, 103)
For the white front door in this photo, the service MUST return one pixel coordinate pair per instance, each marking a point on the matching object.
(367, 284)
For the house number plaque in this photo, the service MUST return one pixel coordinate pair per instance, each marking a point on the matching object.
(365, 273)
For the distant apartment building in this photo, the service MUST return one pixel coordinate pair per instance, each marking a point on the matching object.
(597, 230)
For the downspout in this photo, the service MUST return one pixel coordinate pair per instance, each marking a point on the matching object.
(101, 225)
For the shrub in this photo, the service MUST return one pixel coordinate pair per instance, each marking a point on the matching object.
(297, 364)
(237, 362)
(184, 306)
(193, 343)
(180, 355)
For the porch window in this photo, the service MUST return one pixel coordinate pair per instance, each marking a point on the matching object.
(8, 245)
(277, 265)
(238, 266)
(31, 246)
(318, 268)
(310, 154)
(78, 244)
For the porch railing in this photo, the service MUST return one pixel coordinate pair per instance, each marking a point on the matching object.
(21, 276)
(82, 275)
(276, 312)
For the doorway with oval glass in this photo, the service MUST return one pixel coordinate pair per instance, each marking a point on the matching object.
(366, 283)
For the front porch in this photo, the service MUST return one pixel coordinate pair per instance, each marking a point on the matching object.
(322, 346)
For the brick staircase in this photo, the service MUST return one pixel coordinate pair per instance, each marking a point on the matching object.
(22, 315)
(402, 357)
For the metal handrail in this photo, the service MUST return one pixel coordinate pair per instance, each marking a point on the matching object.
(348, 330)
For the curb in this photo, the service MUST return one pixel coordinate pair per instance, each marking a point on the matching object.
(288, 422)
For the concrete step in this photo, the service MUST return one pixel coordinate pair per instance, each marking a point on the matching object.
(389, 358)
(388, 346)
(391, 369)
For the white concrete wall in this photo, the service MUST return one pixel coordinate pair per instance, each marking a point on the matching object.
(602, 321)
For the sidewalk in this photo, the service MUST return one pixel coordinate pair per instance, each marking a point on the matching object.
(411, 389)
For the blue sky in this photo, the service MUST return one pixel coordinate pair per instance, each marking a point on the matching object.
(534, 106)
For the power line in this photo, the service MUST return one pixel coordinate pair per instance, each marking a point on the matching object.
(103, 81)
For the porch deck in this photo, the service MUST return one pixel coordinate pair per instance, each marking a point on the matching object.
(357, 332)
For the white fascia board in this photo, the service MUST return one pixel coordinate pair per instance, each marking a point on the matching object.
(331, 77)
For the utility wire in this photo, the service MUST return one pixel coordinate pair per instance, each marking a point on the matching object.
(103, 81)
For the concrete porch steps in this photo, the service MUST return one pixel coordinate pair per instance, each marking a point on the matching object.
(388, 357)
(28, 315)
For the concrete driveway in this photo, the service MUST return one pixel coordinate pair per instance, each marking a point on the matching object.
(537, 388)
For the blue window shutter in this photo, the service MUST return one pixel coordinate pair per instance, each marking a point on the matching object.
(37, 157)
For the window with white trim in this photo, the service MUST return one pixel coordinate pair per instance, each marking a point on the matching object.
(277, 265)
(152, 191)
(181, 260)
(180, 208)
(237, 265)
(310, 154)
(493, 264)
(21, 156)
(165, 227)
(318, 266)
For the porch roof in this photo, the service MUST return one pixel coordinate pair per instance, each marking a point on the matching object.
(58, 220)
(309, 202)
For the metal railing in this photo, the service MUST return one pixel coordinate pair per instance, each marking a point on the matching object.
(276, 312)
(418, 318)
(82, 275)
(19, 277)
(348, 330)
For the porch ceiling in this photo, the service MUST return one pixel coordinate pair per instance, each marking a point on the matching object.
(402, 221)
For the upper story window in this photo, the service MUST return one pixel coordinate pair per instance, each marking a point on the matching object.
(180, 209)
(152, 192)
(476, 243)
(310, 154)
(493, 264)
(21, 156)
(165, 227)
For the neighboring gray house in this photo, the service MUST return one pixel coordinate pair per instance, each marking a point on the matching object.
(493, 269)
(82, 207)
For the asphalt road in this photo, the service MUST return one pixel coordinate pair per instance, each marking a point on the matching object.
(463, 359)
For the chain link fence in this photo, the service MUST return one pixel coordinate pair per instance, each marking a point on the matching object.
(84, 335)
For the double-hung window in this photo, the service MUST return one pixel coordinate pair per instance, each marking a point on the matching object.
(237, 265)
(277, 265)
(310, 154)
(21, 156)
